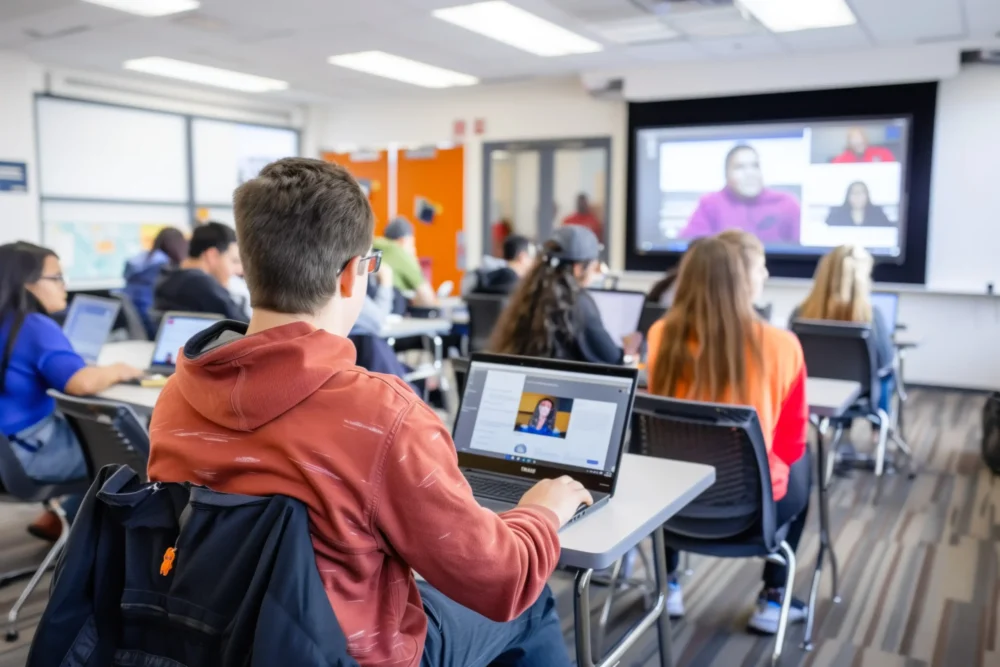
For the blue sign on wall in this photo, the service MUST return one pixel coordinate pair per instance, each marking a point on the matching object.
(13, 177)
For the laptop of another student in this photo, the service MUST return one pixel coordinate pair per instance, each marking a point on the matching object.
(507, 441)
(88, 322)
(887, 303)
(175, 330)
(620, 311)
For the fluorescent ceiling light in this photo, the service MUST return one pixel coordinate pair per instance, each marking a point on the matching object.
(402, 69)
(512, 25)
(793, 15)
(149, 7)
(210, 76)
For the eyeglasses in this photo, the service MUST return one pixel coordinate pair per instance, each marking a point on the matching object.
(57, 278)
(375, 259)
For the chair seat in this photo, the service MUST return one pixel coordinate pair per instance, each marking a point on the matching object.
(747, 545)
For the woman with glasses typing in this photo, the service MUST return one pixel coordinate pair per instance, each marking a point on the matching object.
(35, 356)
(712, 346)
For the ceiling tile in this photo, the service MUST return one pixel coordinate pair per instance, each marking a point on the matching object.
(983, 17)
(737, 47)
(829, 39)
(668, 52)
(911, 21)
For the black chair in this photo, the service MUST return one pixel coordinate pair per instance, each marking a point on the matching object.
(460, 366)
(110, 433)
(846, 351)
(484, 313)
(736, 516)
(651, 312)
(134, 324)
(17, 487)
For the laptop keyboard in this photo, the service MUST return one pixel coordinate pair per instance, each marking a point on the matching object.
(497, 489)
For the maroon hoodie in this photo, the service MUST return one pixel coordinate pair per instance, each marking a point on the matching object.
(286, 411)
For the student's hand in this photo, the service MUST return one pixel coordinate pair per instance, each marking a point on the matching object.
(563, 496)
(384, 275)
(632, 343)
(124, 372)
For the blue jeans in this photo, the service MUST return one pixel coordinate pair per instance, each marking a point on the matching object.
(50, 453)
(459, 637)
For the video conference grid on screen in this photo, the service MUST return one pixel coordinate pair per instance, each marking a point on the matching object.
(802, 188)
(543, 416)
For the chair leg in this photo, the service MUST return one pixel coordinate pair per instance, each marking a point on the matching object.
(883, 442)
(786, 603)
(12, 631)
(602, 624)
(831, 455)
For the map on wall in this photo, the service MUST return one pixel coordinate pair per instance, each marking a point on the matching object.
(97, 250)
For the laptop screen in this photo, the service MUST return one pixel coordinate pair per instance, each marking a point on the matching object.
(175, 331)
(887, 303)
(88, 324)
(620, 311)
(569, 420)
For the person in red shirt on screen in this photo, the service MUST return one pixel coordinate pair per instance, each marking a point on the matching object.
(585, 217)
(859, 150)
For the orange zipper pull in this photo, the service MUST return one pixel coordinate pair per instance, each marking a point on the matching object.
(168, 561)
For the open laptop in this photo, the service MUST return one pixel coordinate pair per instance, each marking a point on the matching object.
(507, 440)
(620, 311)
(88, 322)
(175, 330)
(887, 303)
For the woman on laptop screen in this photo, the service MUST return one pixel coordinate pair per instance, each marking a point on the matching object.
(543, 419)
(36, 356)
(712, 346)
(550, 314)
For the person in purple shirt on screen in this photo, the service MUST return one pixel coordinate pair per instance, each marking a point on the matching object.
(770, 215)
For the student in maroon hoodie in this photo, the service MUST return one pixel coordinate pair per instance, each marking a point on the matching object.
(279, 407)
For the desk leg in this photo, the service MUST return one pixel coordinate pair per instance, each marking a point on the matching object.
(658, 614)
(824, 536)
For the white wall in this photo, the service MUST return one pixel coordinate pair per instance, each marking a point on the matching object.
(958, 325)
(19, 79)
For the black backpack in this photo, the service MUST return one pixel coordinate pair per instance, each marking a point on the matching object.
(991, 432)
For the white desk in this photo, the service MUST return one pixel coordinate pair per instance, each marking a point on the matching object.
(414, 327)
(134, 353)
(649, 492)
(828, 399)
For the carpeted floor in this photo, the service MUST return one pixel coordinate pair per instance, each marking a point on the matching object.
(919, 570)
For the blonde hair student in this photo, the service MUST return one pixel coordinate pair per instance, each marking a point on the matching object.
(711, 346)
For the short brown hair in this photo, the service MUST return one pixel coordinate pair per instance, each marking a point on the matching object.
(298, 223)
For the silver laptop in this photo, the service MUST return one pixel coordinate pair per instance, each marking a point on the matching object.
(88, 322)
(523, 419)
(887, 303)
(176, 329)
(620, 311)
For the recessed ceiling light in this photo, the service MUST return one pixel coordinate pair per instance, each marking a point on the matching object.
(210, 76)
(793, 15)
(512, 25)
(149, 7)
(402, 69)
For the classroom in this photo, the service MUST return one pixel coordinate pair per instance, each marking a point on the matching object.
(457, 333)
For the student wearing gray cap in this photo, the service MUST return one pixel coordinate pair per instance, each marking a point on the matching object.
(551, 314)
(399, 251)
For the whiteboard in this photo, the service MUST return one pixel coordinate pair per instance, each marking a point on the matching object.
(95, 151)
(227, 154)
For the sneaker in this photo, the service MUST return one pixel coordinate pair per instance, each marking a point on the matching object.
(46, 527)
(675, 600)
(765, 617)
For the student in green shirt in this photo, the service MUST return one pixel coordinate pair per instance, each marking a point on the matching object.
(399, 252)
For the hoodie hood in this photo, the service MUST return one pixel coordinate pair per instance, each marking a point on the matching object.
(242, 382)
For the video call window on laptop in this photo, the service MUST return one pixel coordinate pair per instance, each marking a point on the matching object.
(88, 324)
(539, 418)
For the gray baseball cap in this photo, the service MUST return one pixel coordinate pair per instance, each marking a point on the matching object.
(576, 244)
(398, 228)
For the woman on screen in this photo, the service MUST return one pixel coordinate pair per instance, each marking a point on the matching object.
(858, 210)
(543, 419)
(711, 346)
(35, 356)
(745, 203)
(551, 314)
(842, 292)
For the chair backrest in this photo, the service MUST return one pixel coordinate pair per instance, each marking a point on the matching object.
(740, 504)
(461, 367)
(16, 483)
(840, 351)
(484, 313)
(651, 312)
(134, 324)
(110, 433)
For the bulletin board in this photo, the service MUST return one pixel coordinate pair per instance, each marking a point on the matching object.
(371, 168)
(430, 190)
